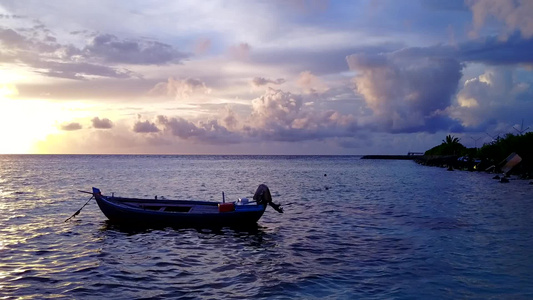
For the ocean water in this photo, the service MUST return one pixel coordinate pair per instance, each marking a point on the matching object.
(352, 229)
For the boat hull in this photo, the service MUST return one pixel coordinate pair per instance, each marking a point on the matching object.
(195, 214)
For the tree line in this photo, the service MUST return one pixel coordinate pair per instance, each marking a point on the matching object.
(490, 153)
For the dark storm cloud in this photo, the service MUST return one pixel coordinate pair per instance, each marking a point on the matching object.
(261, 81)
(71, 126)
(9, 37)
(210, 132)
(494, 51)
(102, 123)
(318, 62)
(145, 127)
(407, 89)
(412, 89)
(453, 5)
(510, 15)
(491, 50)
(111, 49)
(38, 49)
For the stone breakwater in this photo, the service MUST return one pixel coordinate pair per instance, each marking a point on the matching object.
(393, 157)
(522, 170)
(456, 162)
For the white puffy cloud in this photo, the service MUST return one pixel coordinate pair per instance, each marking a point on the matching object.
(310, 83)
(276, 108)
(496, 96)
(281, 116)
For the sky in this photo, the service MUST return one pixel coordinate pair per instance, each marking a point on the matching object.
(281, 77)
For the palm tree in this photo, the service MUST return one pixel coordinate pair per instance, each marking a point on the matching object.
(451, 140)
(451, 143)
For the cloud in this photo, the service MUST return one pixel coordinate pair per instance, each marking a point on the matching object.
(276, 108)
(303, 6)
(311, 83)
(9, 16)
(102, 123)
(145, 127)
(79, 71)
(24, 44)
(12, 38)
(240, 51)
(281, 116)
(230, 119)
(111, 49)
(494, 51)
(35, 48)
(405, 91)
(514, 14)
(497, 95)
(275, 116)
(102, 57)
(180, 88)
(416, 89)
(202, 46)
(71, 126)
(207, 132)
(261, 81)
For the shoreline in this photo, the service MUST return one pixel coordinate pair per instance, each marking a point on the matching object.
(454, 162)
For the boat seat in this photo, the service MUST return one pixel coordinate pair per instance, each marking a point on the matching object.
(204, 209)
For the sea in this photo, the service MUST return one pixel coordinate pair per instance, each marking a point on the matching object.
(351, 229)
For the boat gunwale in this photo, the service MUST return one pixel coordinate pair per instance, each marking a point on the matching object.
(161, 201)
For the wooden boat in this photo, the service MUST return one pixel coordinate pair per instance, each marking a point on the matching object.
(144, 212)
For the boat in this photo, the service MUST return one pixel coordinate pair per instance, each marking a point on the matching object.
(185, 213)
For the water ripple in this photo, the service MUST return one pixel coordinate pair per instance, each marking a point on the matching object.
(379, 230)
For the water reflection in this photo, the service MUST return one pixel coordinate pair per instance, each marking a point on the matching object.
(254, 234)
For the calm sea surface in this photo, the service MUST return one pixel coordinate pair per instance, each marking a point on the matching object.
(370, 229)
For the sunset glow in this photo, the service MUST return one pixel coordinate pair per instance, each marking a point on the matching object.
(19, 135)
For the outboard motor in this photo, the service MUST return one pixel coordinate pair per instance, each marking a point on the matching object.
(262, 196)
